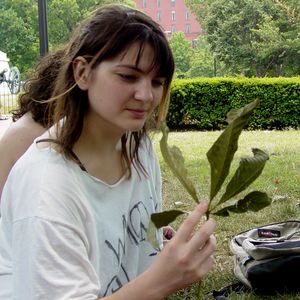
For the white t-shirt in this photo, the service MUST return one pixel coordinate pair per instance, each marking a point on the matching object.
(65, 234)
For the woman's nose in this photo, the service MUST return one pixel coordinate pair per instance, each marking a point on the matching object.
(144, 91)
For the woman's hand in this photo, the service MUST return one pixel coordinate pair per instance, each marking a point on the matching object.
(187, 257)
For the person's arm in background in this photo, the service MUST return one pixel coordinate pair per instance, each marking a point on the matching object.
(15, 141)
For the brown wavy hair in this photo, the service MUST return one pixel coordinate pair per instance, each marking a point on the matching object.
(111, 30)
(39, 88)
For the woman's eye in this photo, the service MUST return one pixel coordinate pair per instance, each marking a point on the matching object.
(127, 77)
(157, 82)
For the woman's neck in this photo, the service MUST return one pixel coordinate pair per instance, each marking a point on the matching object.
(100, 152)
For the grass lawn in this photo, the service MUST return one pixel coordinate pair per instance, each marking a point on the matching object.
(280, 179)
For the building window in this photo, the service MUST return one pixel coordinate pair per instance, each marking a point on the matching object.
(173, 2)
(187, 15)
(158, 16)
(158, 3)
(173, 28)
(187, 28)
(144, 3)
(173, 17)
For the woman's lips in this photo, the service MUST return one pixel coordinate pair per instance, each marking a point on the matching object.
(137, 112)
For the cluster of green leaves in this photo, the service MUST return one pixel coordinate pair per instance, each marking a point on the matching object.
(19, 32)
(182, 52)
(252, 37)
(220, 157)
(211, 98)
(194, 62)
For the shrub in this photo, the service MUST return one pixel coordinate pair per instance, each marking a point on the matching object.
(202, 103)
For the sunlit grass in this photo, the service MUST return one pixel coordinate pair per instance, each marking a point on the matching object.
(280, 179)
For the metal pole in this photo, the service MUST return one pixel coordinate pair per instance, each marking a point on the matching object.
(215, 65)
(43, 27)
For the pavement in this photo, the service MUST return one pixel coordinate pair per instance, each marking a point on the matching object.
(4, 124)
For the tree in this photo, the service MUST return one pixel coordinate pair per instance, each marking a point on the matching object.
(18, 39)
(63, 17)
(182, 52)
(203, 63)
(252, 37)
(19, 32)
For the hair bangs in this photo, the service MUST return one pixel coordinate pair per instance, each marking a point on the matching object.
(162, 62)
(129, 34)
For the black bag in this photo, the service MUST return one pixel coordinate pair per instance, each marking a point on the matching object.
(267, 258)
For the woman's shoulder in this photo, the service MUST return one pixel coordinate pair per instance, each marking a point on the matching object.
(43, 161)
(45, 190)
(45, 179)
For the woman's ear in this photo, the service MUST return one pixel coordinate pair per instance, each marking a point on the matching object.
(81, 71)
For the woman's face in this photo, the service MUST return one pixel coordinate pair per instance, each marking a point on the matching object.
(122, 94)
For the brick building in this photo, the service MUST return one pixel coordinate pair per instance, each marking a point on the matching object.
(172, 15)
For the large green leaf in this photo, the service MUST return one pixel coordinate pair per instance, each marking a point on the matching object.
(159, 220)
(248, 170)
(151, 236)
(220, 155)
(254, 201)
(166, 217)
(173, 157)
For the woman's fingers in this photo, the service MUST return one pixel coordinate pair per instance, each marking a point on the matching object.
(202, 243)
(188, 256)
(205, 267)
(204, 260)
(208, 249)
(186, 229)
(203, 235)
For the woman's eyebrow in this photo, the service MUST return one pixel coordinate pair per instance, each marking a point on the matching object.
(132, 67)
(135, 68)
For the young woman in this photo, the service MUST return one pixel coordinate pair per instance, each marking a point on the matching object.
(30, 120)
(76, 206)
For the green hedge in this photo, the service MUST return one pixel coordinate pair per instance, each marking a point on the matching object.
(203, 103)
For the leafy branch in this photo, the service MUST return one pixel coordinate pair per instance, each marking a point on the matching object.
(220, 157)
